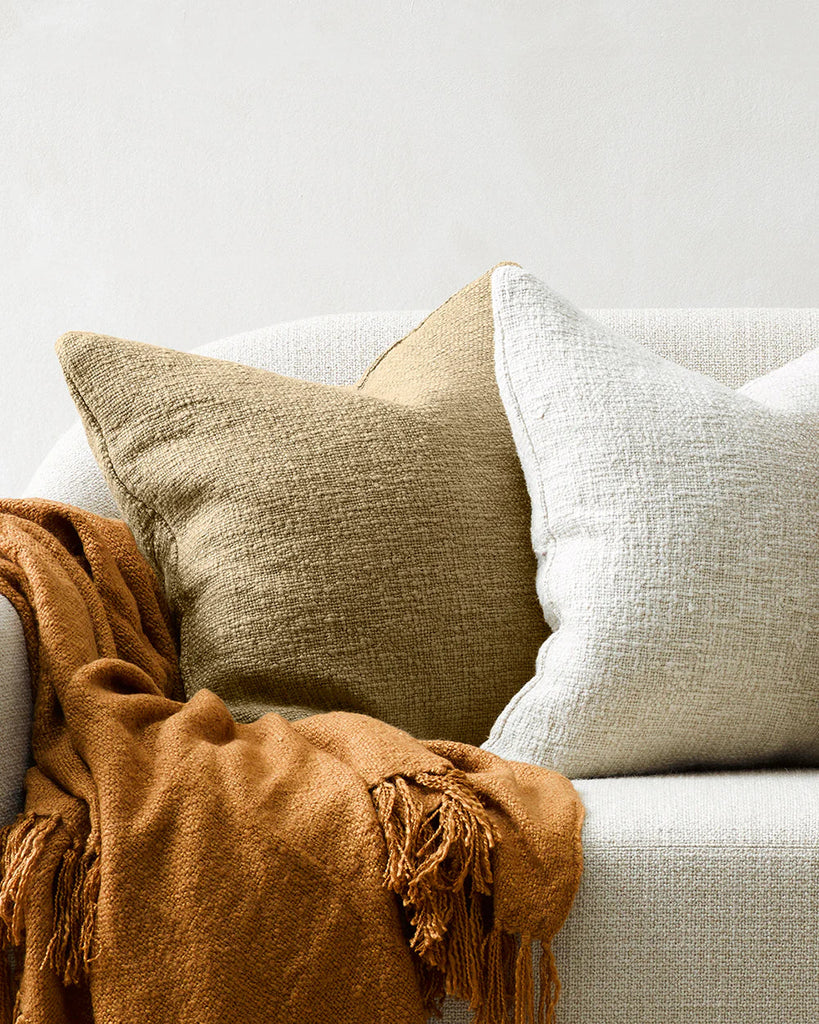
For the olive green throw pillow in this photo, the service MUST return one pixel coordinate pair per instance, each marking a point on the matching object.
(362, 548)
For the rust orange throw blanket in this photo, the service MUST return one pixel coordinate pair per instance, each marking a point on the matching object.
(172, 865)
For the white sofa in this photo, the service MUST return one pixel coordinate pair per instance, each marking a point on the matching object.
(700, 898)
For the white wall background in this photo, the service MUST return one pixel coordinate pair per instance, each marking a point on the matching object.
(177, 171)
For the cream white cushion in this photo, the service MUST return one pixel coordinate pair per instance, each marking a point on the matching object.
(676, 527)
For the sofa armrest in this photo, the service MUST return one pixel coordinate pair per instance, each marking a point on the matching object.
(15, 712)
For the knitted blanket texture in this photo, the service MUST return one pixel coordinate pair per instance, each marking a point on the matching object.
(173, 865)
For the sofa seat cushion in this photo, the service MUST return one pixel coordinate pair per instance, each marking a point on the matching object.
(699, 902)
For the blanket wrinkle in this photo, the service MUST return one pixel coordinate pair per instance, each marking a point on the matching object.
(165, 865)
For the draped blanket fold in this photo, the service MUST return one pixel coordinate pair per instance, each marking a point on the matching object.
(173, 865)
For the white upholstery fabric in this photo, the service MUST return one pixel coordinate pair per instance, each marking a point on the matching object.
(676, 527)
(699, 901)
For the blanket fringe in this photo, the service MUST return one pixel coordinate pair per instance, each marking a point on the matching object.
(549, 986)
(439, 842)
(70, 949)
(23, 844)
(76, 883)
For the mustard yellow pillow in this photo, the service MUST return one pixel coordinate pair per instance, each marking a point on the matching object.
(362, 548)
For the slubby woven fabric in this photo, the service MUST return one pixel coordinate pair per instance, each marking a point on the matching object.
(15, 712)
(357, 548)
(173, 865)
(676, 527)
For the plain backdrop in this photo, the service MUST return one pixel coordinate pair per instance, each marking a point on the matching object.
(175, 172)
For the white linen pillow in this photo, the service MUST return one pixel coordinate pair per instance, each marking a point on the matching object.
(676, 528)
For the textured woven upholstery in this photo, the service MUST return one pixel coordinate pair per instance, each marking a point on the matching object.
(700, 900)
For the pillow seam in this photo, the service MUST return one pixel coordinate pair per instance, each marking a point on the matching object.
(502, 720)
(399, 341)
(148, 510)
(374, 365)
(511, 391)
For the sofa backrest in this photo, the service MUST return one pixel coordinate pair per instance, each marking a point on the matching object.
(731, 345)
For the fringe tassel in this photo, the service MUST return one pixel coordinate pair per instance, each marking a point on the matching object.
(431, 855)
(75, 892)
(70, 949)
(499, 955)
(524, 983)
(439, 842)
(549, 986)
(23, 845)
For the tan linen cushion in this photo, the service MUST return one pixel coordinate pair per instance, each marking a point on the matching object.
(360, 548)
